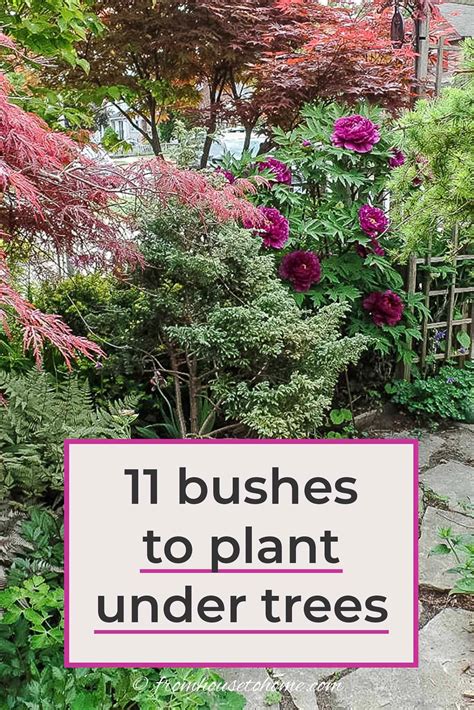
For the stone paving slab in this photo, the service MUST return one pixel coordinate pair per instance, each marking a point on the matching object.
(445, 677)
(442, 682)
(433, 567)
(302, 684)
(429, 445)
(253, 683)
(453, 481)
(460, 442)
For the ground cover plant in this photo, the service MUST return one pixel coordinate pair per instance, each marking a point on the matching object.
(461, 548)
(447, 395)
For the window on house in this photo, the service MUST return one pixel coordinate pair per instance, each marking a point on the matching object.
(118, 128)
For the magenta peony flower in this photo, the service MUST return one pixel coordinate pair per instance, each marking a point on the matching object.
(355, 133)
(301, 268)
(230, 177)
(281, 172)
(274, 234)
(377, 248)
(375, 245)
(385, 307)
(397, 159)
(361, 250)
(372, 220)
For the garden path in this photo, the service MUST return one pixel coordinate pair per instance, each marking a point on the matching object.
(445, 678)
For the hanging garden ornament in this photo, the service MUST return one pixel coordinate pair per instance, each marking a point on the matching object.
(397, 30)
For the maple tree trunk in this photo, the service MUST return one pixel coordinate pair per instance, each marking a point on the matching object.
(215, 94)
(207, 146)
(206, 150)
(155, 140)
(247, 139)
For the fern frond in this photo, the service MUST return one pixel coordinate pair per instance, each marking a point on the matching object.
(38, 414)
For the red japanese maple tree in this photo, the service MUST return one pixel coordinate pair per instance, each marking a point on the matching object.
(56, 200)
(333, 52)
(252, 58)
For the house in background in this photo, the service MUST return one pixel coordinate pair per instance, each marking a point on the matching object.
(460, 17)
(451, 25)
(228, 140)
(125, 131)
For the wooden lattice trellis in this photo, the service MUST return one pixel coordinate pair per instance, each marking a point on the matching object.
(465, 304)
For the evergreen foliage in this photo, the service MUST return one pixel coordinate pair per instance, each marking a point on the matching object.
(225, 330)
(433, 191)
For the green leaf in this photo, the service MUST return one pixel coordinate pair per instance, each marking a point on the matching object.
(33, 617)
(338, 416)
(7, 647)
(463, 586)
(440, 549)
(84, 701)
(40, 641)
(463, 339)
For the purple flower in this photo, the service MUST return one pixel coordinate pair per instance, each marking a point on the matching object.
(281, 172)
(301, 268)
(306, 143)
(376, 247)
(355, 133)
(439, 335)
(450, 380)
(385, 307)
(230, 177)
(361, 250)
(397, 159)
(274, 234)
(372, 220)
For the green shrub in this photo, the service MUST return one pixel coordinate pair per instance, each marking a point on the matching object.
(433, 191)
(447, 395)
(232, 348)
(210, 337)
(104, 310)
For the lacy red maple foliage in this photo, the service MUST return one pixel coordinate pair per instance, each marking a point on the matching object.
(340, 52)
(54, 199)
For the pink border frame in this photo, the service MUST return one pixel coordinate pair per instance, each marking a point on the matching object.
(220, 442)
